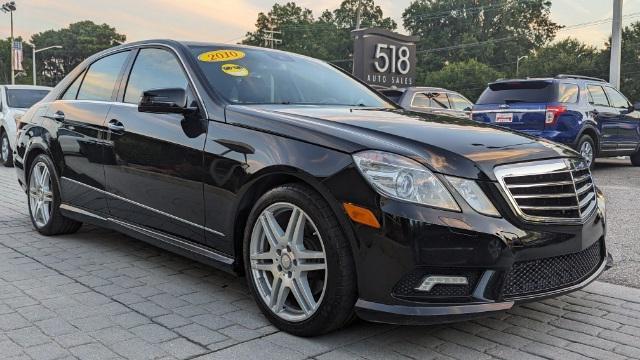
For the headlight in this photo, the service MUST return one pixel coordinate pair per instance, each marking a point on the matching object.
(401, 178)
(473, 195)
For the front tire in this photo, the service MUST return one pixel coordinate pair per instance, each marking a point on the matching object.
(6, 153)
(44, 199)
(587, 148)
(298, 262)
(635, 159)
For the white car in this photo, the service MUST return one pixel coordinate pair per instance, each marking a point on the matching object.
(15, 100)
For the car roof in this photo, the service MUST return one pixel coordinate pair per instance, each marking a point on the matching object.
(27, 87)
(576, 78)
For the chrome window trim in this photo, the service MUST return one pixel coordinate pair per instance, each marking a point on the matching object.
(539, 168)
(144, 206)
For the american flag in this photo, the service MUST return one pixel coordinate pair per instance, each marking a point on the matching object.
(16, 52)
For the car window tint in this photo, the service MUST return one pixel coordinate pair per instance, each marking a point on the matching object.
(100, 80)
(72, 90)
(439, 100)
(154, 69)
(421, 100)
(459, 103)
(24, 98)
(568, 93)
(512, 92)
(617, 100)
(597, 95)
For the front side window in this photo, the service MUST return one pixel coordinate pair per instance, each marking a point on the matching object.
(597, 96)
(616, 99)
(458, 102)
(568, 93)
(154, 69)
(24, 98)
(255, 76)
(100, 80)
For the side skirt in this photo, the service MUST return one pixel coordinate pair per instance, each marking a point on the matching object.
(182, 247)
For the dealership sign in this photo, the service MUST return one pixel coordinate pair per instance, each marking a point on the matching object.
(382, 57)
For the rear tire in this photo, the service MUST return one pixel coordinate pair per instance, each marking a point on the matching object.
(43, 192)
(317, 300)
(587, 148)
(6, 153)
(635, 159)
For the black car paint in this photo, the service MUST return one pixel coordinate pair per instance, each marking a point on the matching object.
(190, 181)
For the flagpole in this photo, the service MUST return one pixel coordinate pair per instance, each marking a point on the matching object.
(13, 74)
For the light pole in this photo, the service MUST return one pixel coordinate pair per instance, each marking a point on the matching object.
(518, 63)
(10, 7)
(33, 57)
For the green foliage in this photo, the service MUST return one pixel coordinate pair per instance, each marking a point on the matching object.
(328, 37)
(492, 31)
(569, 56)
(468, 77)
(79, 41)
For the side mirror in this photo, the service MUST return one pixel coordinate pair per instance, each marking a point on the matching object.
(163, 101)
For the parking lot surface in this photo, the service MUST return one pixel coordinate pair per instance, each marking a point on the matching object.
(101, 295)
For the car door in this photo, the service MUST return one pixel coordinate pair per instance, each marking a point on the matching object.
(79, 115)
(606, 117)
(627, 122)
(154, 173)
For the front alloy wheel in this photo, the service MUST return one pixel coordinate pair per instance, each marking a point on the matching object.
(298, 262)
(6, 154)
(288, 264)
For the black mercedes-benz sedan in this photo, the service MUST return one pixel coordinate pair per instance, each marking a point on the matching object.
(332, 201)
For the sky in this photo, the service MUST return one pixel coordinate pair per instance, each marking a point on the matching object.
(229, 20)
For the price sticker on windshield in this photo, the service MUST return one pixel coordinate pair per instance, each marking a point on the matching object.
(221, 55)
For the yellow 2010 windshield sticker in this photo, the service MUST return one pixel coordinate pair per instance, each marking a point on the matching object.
(221, 55)
(235, 70)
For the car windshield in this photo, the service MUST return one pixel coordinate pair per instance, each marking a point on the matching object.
(24, 98)
(254, 76)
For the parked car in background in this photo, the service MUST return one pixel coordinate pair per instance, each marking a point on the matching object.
(430, 100)
(585, 113)
(332, 201)
(14, 101)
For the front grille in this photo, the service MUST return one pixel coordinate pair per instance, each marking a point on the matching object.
(549, 191)
(548, 274)
(406, 287)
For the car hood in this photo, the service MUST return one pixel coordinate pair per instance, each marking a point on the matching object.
(446, 144)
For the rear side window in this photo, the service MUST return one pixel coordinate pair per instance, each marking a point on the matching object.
(154, 69)
(101, 78)
(430, 100)
(72, 90)
(616, 99)
(459, 103)
(518, 92)
(597, 95)
(568, 93)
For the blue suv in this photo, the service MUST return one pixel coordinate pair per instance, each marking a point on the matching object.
(585, 113)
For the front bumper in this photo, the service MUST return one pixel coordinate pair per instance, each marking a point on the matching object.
(425, 241)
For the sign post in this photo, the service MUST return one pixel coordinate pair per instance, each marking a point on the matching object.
(382, 57)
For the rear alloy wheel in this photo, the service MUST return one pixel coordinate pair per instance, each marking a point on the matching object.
(298, 262)
(44, 199)
(587, 149)
(6, 154)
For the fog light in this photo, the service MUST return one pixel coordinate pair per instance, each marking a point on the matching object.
(430, 281)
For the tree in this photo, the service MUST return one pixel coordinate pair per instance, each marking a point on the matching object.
(79, 41)
(468, 77)
(491, 31)
(327, 37)
(570, 56)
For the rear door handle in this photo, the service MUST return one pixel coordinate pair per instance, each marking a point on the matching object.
(115, 126)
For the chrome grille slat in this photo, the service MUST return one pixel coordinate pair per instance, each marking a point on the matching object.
(559, 190)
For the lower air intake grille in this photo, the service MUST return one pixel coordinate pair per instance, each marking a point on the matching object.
(548, 274)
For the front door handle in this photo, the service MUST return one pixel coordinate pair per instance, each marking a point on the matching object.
(58, 116)
(115, 126)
